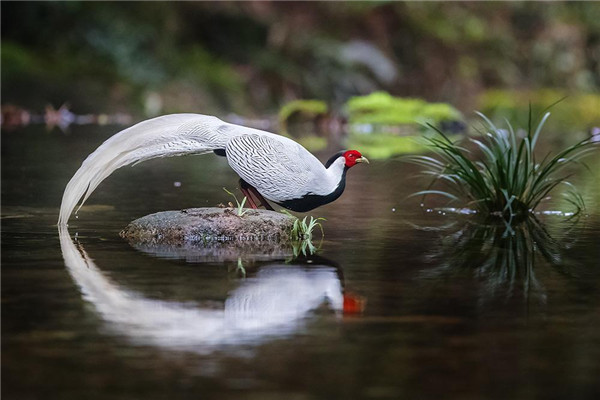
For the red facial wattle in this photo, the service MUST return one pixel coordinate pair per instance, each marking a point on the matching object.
(352, 157)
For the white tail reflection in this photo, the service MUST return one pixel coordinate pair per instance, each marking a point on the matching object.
(273, 302)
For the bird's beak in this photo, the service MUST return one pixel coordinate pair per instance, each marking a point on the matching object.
(362, 159)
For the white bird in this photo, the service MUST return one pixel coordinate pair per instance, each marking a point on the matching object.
(270, 166)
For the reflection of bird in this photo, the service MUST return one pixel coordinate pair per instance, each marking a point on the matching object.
(281, 296)
(276, 300)
(269, 165)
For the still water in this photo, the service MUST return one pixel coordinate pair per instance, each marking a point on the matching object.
(451, 308)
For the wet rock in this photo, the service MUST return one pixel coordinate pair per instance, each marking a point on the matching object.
(209, 226)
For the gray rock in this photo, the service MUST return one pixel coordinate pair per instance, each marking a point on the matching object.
(209, 225)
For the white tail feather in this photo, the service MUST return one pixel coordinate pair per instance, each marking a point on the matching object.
(166, 136)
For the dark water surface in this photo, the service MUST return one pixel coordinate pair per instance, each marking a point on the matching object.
(453, 309)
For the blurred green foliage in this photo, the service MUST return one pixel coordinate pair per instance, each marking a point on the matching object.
(252, 57)
(381, 146)
(576, 112)
(111, 56)
(313, 143)
(309, 108)
(382, 108)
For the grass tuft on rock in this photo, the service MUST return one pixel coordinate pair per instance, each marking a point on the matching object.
(240, 211)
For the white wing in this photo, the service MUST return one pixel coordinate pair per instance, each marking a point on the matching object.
(280, 170)
(166, 136)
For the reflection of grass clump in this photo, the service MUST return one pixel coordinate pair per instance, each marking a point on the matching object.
(508, 180)
(503, 256)
(382, 108)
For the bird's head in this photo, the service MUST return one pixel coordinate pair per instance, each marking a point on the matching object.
(352, 157)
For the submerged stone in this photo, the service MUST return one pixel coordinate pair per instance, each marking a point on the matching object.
(209, 225)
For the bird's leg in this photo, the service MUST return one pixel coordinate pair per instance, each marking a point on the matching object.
(249, 190)
(245, 188)
(249, 198)
(261, 199)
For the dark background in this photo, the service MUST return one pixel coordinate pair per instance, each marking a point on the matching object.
(251, 57)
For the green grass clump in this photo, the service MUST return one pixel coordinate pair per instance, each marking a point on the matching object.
(302, 234)
(507, 180)
(303, 229)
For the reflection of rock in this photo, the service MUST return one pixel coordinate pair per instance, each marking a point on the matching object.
(218, 251)
(209, 225)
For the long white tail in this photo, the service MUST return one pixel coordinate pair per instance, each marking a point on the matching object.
(166, 136)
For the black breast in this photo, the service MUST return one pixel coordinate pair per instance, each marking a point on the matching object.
(311, 201)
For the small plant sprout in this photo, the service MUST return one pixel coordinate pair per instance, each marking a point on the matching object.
(240, 211)
(507, 180)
